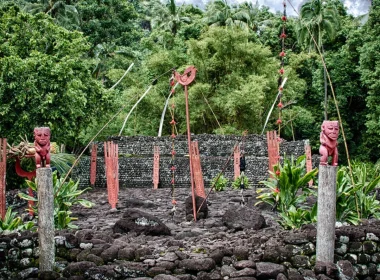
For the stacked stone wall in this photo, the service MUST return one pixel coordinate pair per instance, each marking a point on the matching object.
(255, 254)
(136, 159)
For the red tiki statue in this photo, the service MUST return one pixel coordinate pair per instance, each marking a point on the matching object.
(42, 146)
(329, 145)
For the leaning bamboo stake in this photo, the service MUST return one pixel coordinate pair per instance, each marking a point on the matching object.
(134, 106)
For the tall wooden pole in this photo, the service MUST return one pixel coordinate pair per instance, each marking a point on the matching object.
(45, 218)
(3, 171)
(190, 157)
(186, 79)
(326, 213)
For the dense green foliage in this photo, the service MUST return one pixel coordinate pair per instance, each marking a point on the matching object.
(288, 193)
(52, 75)
(45, 80)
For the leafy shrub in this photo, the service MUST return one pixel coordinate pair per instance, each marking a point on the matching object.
(13, 223)
(237, 182)
(219, 183)
(288, 185)
(65, 197)
(356, 197)
(286, 191)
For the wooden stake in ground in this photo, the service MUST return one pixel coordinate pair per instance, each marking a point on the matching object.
(3, 164)
(186, 79)
(94, 152)
(273, 149)
(45, 218)
(236, 161)
(309, 164)
(112, 172)
(156, 167)
(197, 170)
(326, 213)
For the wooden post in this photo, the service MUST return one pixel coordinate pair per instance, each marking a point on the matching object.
(156, 167)
(197, 170)
(112, 172)
(237, 161)
(309, 165)
(326, 213)
(273, 149)
(3, 170)
(94, 151)
(45, 218)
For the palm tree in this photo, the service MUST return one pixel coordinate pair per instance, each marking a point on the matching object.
(258, 21)
(168, 17)
(219, 13)
(64, 14)
(317, 18)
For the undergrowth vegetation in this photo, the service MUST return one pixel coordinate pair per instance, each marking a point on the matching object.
(288, 193)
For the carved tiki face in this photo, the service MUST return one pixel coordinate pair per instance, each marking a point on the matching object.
(331, 129)
(42, 135)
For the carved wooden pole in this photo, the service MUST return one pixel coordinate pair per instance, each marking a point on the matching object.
(186, 79)
(237, 161)
(273, 149)
(156, 167)
(45, 218)
(309, 165)
(94, 151)
(45, 194)
(3, 165)
(197, 170)
(112, 172)
(326, 213)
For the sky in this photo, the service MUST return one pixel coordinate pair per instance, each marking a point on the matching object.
(355, 7)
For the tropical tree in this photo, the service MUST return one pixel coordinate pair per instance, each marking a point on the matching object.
(112, 21)
(370, 70)
(64, 14)
(168, 17)
(45, 80)
(318, 20)
(219, 13)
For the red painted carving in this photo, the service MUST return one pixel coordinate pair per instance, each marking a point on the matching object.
(156, 167)
(329, 144)
(42, 146)
(185, 79)
(309, 165)
(197, 170)
(94, 151)
(29, 175)
(112, 172)
(273, 149)
(3, 165)
(237, 161)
